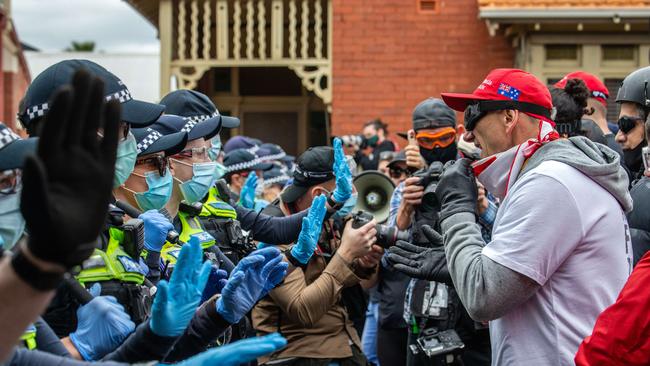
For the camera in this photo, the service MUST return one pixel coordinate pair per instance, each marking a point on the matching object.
(353, 140)
(429, 178)
(387, 236)
(433, 342)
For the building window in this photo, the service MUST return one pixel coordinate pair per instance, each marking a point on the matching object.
(561, 52)
(618, 52)
(612, 107)
(428, 6)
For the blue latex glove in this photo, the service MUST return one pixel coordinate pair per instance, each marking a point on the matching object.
(240, 352)
(156, 227)
(247, 194)
(343, 189)
(250, 281)
(216, 282)
(102, 325)
(310, 232)
(176, 301)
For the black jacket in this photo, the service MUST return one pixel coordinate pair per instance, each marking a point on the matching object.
(639, 218)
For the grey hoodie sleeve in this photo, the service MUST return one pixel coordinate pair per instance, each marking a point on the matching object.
(487, 289)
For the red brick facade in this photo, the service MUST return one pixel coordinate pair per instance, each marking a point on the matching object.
(388, 56)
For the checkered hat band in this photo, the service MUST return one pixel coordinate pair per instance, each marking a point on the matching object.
(243, 165)
(39, 110)
(277, 156)
(274, 180)
(253, 149)
(201, 117)
(148, 141)
(189, 126)
(7, 136)
(123, 95)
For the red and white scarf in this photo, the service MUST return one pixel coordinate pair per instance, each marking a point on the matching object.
(500, 171)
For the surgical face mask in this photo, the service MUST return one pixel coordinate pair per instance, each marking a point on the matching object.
(159, 192)
(203, 177)
(12, 223)
(348, 206)
(127, 154)
(214, 151)
(220, 169)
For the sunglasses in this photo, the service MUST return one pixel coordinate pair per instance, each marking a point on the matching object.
(473, 114)
(440, 139)
(160, 162)
(475, 111)
(10, 181)
(397, 172)
(627, 123)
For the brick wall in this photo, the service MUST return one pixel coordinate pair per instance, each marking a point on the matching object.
(388, 56)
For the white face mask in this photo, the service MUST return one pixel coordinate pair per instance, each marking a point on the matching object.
(500, 171)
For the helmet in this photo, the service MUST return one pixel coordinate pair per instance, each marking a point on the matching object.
(636, 88)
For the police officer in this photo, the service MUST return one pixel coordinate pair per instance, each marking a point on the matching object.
(36, 105)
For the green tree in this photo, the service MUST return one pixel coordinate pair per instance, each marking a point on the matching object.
(83, 46)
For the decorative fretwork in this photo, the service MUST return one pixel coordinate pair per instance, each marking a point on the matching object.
(240, 33)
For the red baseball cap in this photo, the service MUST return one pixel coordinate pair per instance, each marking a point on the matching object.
(596, 87)
(512, 85)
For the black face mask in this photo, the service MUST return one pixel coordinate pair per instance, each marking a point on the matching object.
(633, 159)
(442, 155)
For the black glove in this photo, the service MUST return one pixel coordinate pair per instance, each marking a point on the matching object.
(457, 190)
(421, 262)
(67, 187)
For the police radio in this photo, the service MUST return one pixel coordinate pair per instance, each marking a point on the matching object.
(133, 242)
(172, 235)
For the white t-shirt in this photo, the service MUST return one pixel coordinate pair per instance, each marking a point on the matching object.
(564, 231)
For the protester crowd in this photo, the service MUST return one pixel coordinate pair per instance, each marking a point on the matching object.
(132, 235)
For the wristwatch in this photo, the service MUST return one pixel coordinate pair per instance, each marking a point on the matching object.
(293, 260)
(333, 204)
(34, 276)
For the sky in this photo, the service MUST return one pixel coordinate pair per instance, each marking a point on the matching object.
(114, 26)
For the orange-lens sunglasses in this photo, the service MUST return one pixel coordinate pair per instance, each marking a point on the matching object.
(442, 138)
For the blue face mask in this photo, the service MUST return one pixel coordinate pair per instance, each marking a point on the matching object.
(220, 169)
(214, 151)
(203, 177)
(159, 192)
(127, 153)
(348, 206)
(12, 223)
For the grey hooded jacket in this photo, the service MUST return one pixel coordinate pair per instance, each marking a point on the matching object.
(489, 290)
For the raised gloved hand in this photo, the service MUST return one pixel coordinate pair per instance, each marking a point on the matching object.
(425, 263)
(67, 188)
(237, 353)
(310, 232)
(176, 301)
(247, 194)
(343, 175)
(156, 227)
(102, 325)
(457, 191)
(216, 282)
(251, 279)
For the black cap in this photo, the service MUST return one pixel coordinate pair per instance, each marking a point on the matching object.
(170, 123)
(36, 101)
(314, 166)
(433, 113)
(242, 159)
(13, 149)
(196, 106)
(400, 157)
(151, 141)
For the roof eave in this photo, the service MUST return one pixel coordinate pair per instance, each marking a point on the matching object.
(579, 14)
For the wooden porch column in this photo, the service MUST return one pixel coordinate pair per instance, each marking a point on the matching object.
(165, 23)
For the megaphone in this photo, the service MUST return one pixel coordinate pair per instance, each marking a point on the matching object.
(374, 192)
